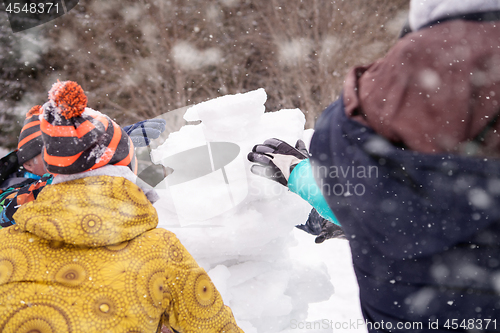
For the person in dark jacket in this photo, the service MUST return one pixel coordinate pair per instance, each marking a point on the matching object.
(407, 159)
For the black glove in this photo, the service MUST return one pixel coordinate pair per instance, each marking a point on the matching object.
(318, 226)
(329, 230)
(144, 131)
(276, 159)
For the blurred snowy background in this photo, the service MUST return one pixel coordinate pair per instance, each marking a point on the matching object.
(139, 59)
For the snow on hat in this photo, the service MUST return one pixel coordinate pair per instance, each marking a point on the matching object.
(423, 12)
(30, 139)
(77, 138)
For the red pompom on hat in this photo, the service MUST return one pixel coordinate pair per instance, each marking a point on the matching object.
(78, 139)
(69, 98)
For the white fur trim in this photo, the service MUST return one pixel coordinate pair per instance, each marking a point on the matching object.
(423, 12)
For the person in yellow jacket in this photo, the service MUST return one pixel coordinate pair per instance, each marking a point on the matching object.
(86, 256)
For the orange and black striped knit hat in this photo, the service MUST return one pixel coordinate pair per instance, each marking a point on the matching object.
(30, 139)
(77, 138)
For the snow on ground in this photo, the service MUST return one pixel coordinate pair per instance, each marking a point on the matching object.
(341, 311)
(241, 227)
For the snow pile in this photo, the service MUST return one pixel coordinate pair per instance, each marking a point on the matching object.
(239, 226)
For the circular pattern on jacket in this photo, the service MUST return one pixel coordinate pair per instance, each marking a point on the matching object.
(156, 287)
(41, 317)
(71, 275)
(91, 223)
(37, 326)
(15, 262)
(201, 299)
(146, 279)
(204, 290)
(175, 253)
(105, 309)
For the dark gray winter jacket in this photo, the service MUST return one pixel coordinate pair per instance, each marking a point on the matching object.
(418, 132)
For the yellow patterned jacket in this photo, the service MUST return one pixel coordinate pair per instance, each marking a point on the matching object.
(86, 256)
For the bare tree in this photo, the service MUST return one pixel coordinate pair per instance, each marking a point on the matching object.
(139, 59)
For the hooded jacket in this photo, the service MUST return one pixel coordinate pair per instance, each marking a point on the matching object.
(404, 160)
(86, 256)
